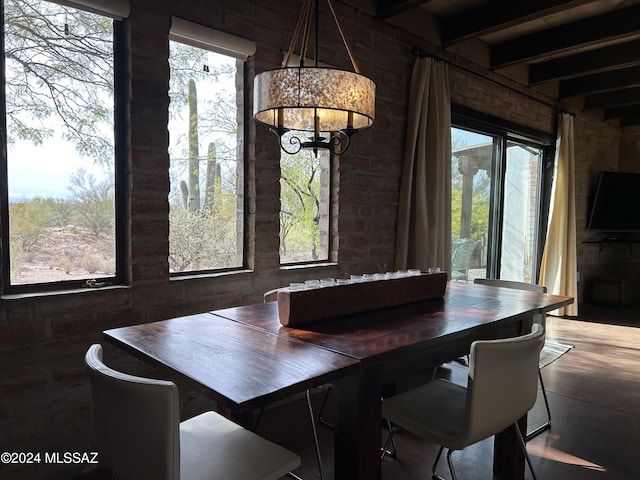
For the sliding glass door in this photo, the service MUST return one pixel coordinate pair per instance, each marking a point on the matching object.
(520, 206)
(496, 204)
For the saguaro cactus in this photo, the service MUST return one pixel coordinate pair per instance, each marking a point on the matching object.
(213, 174)
(194, 155)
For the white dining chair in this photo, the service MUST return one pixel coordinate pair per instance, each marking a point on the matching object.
(137, 428)
(501, 388)
(272, 296)
(540, 318)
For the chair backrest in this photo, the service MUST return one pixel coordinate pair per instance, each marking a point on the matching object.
(540, 318)
(461, 252)
(493, 282)
(503, 382)
(271, 295)
(136, 422)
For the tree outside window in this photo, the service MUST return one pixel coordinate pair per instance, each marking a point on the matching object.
(58, 101)
(304, 206)
(206, 152)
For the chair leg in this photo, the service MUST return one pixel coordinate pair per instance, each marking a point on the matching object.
(434, 475)
(315, 434)
(523, 445)
(324, 402)
(547, 424)
(390, 440)
(453, 472)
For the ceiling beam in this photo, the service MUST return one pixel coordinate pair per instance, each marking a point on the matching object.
(614, 98)
(600, 82)
(631, 120)
(628, 112)
(611, 26)
(498, 15)
(593, 61)
(389, 8)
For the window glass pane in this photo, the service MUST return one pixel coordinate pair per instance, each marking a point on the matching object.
(60, 142)
(520, 217)
(471, 176)
(304, 206)
(206, 152)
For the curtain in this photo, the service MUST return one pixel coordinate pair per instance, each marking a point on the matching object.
(423, 237)
(559, 264)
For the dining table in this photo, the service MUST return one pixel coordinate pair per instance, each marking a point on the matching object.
(244, 357)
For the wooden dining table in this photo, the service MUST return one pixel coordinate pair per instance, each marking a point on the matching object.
(244, 358)
(393, 343)
(241, 367)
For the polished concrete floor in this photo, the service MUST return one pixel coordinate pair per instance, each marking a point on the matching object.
(594, 395)
(593, 390)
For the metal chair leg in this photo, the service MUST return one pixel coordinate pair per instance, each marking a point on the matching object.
(453, 472)
(324, 402)
(523, 445)
(315, 434)
(316, 442)
(434, 475)
(547, 424)
(390, 440)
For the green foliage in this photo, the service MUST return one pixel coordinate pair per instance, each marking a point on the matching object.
(93, 202)
(50, 50)
(29, 222)
(203, 216)
(206, 239)
(480, 200)
(30, 219)
(300, 206)
(194, 155)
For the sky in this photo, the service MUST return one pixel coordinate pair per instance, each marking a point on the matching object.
(44, 170)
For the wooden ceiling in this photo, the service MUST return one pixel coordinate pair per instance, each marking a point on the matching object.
(584, 53)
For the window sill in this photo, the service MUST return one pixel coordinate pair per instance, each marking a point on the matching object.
(308, 266)
(201, 276)
(58, 293)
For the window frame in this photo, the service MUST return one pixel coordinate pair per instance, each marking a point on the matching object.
(468, 119)
(114, 11)
(207, 38)
(330, 209)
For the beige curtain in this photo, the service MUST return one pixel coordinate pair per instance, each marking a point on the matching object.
(423, 236)
(559, 264)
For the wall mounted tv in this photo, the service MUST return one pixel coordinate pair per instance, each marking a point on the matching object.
(616, 205)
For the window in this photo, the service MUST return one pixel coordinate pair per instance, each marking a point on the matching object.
(206, 130)
(304, 206)
(59, 117)
(497, 180)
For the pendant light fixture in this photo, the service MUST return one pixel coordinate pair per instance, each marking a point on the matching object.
(329, 103)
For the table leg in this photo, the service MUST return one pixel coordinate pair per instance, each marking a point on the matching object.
(357, 435)
(508, 458)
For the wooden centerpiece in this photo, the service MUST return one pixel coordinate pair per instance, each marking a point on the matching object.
(296, 307)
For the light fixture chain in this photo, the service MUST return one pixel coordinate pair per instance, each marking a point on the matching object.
(307, 32)
(302, 19)
(344, 40)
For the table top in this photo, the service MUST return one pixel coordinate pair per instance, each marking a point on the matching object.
(465, 311)
(239, 365)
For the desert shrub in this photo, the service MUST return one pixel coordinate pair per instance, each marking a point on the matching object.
(93, 202)
(28, 222)
(90, 263)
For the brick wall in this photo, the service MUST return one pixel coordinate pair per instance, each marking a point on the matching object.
(44, 402)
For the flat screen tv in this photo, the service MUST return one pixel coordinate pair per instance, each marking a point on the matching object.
(616, 205)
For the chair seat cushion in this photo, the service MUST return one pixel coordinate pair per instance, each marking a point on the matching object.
(211, 446)
(434, 411)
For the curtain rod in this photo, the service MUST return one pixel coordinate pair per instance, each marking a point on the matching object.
(556, 104)
(418, 52)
